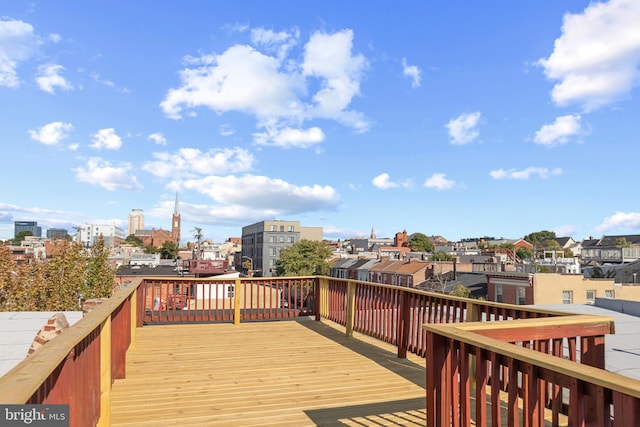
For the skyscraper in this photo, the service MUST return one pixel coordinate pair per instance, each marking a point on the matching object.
(136, 221)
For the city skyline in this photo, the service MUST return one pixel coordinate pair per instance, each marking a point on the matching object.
(445, 119)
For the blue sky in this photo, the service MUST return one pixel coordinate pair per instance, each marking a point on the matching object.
(460, 119)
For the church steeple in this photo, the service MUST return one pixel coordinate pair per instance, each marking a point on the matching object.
(175, 223)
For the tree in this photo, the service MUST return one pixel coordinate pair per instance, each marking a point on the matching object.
(538, 236)
(461, 291)
(621, 242)
(420, 243)
(524, 253)
(62, 282)
(304, 258)
(133, 240)
(169, 250)
(441, 256)
(150, 249)
(20, 237)
(100, 275)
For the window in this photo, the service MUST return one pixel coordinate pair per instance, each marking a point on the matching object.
(610, 293)
(272, 228)
(272, 239)
(281, 239)
(273, 252)
(567, 297)
(591, 297)
(522, 296)
(290, 228)
(498, 293)
(282, 228)
(292, 239)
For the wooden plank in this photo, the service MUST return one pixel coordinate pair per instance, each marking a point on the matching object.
(266, 373)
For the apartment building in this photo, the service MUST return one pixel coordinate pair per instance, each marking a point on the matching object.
(263, 241)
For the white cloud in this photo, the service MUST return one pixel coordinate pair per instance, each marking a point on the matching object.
(559, 131)
(52, 133)
(620, 221)
(525, 173)
(383, 182)
(157, 138)
(100, 172)
(18, 42)
(438, 181)
(464, 128)
(288, 137)
(271, 197)
(239, 79)
(49, 78)
(106, 138)
(273, 88)
(279, 42)
(329, 57)
(595, 60)
(565, 230)
(226, 130)
(191, 162)
(411, 71)
(55, 38)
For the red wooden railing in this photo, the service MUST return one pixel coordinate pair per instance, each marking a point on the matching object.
(175, 300)
(507, 374)
(78, 366)
(472, 350)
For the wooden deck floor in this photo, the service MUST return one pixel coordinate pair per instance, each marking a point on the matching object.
(287, 373)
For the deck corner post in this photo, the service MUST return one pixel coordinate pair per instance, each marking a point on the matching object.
(237, 297)
(404, 320)
(351, 308)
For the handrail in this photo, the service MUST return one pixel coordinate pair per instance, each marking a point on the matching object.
(537, 385)
(390, 313)
(80, 364)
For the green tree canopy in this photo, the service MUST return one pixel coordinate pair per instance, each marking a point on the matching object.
(20, 237)
(169, 250)
(133, 240)
(461, 291)
(420, 243)
(441, 256)
(524, 253)
(304, 258)
(538, 236)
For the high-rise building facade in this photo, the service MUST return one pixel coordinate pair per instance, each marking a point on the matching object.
(136, 221)
(112, 235)
(32, 226)
(57, 233)
(263, 241)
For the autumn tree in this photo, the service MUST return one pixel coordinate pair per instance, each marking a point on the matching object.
(62, 282)
(420, 243)
(304, 258)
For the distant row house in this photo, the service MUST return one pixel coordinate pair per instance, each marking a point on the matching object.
(412, 273)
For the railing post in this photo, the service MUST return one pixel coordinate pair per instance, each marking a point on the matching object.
(237, 297)
(133, 305)
(404, 320)
(318, 290)
(351, 311)
(105, 373)
(473, 314)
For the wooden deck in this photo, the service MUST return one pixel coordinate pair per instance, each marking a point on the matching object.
(283, 373)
